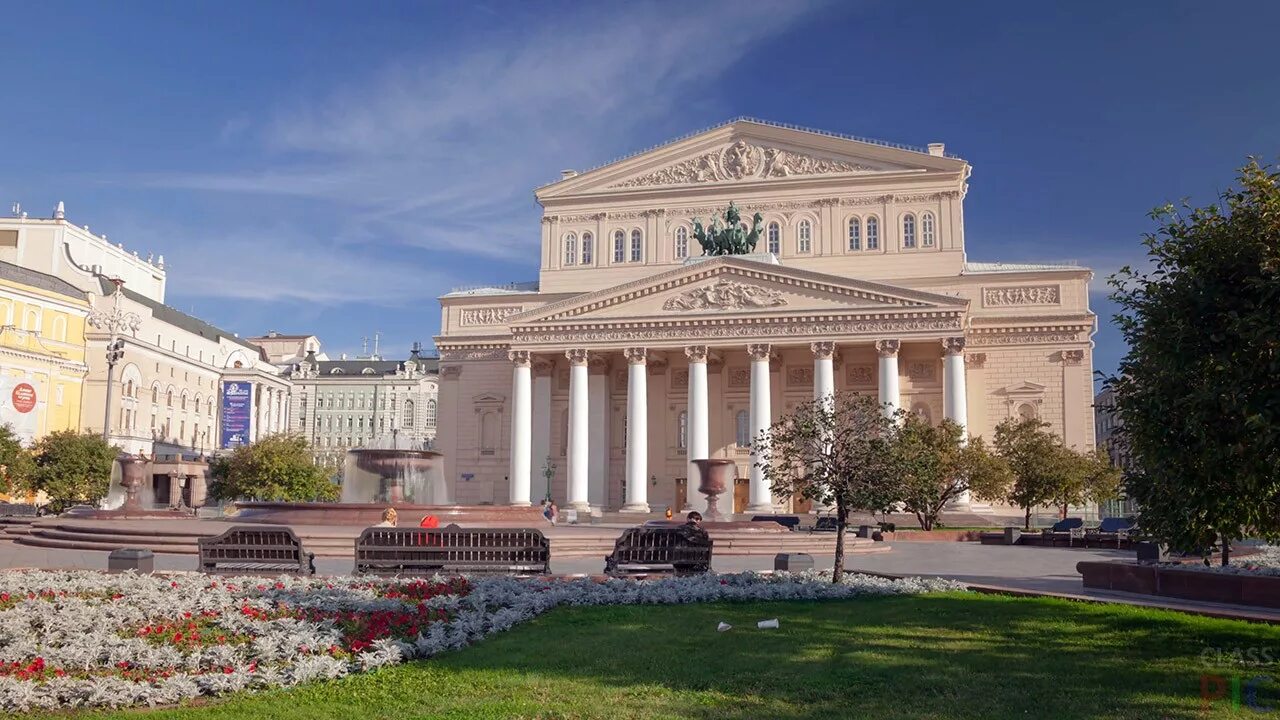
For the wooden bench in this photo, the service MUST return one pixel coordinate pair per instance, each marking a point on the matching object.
(680, 550)
(451, 549)
(255, 550)
(18, 510)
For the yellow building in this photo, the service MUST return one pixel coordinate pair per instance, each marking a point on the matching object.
(42, 352)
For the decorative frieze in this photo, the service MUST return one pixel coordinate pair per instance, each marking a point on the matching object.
(742, 160)
(474, 354)
(1072, 357)
(739, 377)
(743, 330)
(800, 376)
(451, 372)
(1024, 338)
(922, 370)
(1022, 295)
(725, 294)
(860, 375)
(487, 316)
(680, 379)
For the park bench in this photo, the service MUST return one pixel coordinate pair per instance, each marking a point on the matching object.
(255, 550)
(685, 549)
(790, 522)
(18, 510)
(1066, 531)
(1111, 532)
(452, 549)
(826, 523)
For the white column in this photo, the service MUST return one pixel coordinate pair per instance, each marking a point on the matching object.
(954, 403)
(521, 428)
(759, 500)
(824, 372)
(541, 431)
(698, 441)
(578, 431)
(598, 431)
(889, 395)
(637, 432)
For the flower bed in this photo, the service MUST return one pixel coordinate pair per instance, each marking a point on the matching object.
(84, 639)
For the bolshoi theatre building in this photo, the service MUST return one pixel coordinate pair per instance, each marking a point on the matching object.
(635, 353)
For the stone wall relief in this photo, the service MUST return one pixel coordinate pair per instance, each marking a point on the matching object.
(487, 316)
(725, 294)
(742, 160)
(860, 375)
(1022, 295)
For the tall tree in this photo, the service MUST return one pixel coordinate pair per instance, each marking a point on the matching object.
(938, 466)
(72, 467)
(1197, 393)
(275, 467)
(16, 465)
(1037, 464)
(838, 451)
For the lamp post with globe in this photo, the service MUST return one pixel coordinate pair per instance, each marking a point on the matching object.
(115, 321)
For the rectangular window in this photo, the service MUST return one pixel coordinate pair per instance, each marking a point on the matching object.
(636, 240)
(9, 238)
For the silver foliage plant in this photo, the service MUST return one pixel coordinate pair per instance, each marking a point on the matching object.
(84, 623)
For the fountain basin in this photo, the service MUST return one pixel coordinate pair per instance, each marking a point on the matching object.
(367, 514)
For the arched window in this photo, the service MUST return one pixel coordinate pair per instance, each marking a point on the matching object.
(682, 242)
(570, 249)
(742, 427)
(804, 237)
(182, 402)
(6, 312)
(926, 230)
(619, 246)
(774, 238)
(406, 419)
(60, 328)
(855, 234)
(588, 248)
(168, 397)
(637, 245)
(908, 230)
(209, 410)
(429, 417)
(155, 394)
(1027, 411)
(682, 432)
(873, 233)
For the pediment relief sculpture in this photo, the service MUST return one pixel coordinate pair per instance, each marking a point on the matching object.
(725, 294)
(742, 160)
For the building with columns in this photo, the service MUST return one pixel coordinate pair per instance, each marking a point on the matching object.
(634, 354)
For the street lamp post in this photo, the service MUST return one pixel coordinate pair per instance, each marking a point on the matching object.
(115, 321)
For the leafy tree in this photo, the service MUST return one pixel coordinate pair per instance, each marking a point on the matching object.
(72, 467)
(1085, 477)
(276, 467)
(1038, 467)
(16, 465)
(836, 451)
(937, 466)
(1197, 392)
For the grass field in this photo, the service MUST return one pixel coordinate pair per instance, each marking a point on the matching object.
(934, 656)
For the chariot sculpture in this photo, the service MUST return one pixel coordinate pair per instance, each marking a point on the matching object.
(731, 238)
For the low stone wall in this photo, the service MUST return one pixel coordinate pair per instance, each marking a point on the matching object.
(1241, 589)
(934, 535)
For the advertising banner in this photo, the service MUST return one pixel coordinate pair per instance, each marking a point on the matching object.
(18, 402)
(237, 413)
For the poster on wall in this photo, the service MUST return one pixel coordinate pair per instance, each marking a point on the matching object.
(18, 403)
(237, 401)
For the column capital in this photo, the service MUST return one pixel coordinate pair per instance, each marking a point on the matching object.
(1072, 357)
(888, 348)
(576, 356)
(823, 350)
(953, 345)
(636, 355)
(519, 358)
(696, 353)
(759, 351)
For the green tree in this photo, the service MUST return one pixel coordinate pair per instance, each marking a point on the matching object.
(1084, 477)
(16, 465)
(72, 467)
(1037, 465)
(1197, 392)
(937, 465)
(836, 451)
(276, 467)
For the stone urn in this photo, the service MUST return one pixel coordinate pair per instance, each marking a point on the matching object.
(133, 472)
(716, 475)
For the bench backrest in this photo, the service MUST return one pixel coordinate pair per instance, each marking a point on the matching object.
(1114, 524)
(453, 546)
(1067, 525)
(660, 545)
(17, 510)
(260, 544)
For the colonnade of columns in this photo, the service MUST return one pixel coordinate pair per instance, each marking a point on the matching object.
(524, 444)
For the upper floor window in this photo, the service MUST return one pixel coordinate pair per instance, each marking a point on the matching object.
(804, 237)
(619, 246)
(637, 244)
(682, 434)
(570, 249)
(926, 230)
(588, 248)
(873, 233)
(742, 427)
(682, 243)
(855, 234)
(774, 235)
(406, 420)
(429, 417)
(908, 230)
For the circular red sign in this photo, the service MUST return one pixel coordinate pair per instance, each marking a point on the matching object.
(24, 398)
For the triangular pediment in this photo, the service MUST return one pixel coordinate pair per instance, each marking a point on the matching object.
(745, 152)
(1024, 388)
(728, 286)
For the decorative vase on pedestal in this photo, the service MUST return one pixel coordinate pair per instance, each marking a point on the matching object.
(133, 470)
(716, 476)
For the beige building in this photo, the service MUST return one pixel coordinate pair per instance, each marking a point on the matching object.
(633, 354)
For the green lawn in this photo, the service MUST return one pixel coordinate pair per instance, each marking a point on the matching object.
(935, 656)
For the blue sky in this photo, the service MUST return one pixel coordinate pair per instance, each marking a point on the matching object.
(332, 168)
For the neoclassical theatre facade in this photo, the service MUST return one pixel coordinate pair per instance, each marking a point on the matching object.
(634, 353)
